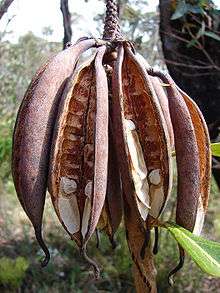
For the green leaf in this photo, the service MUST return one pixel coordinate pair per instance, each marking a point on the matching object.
(215, 147)
(181, 9)
(205, 253)
(212, 35)
(195, 9)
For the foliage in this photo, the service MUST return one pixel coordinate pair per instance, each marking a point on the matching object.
(204, 252)
(183, 7)
(215, 149)
(12, 272)
(196, 17)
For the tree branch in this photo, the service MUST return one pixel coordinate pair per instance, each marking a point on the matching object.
(4, 5)
(66, 22)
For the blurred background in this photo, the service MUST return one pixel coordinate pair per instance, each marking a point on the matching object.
(180, 36)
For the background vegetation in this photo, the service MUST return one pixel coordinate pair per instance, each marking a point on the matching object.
(19, 253)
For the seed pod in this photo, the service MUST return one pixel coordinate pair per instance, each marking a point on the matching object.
(203, 142)
(135, 230)
(187, 154)
(147, 135)
(72, 152)
(111, 215)
(33, 131)
(78, 167)
(101, 143)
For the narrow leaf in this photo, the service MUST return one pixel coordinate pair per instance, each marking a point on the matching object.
(212, 35)
(215, 149)
(195, 9)
(205, 253)
(181, 9)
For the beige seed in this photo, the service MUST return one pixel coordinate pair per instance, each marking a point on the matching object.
(199, 219)
(154, 177)
(157, 195)
(69, 213)
(129, 124)
(86, 217)
(143, 210)
(88, 189)
(67, 186)
(73, 137)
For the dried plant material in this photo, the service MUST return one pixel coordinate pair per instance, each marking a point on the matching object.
(187, 153)
(67, 186)
(134, 229)
(69, 213)
(72, 154)
(155, 177)
(142, 107)
(192, 149)
(203, 142)
(101, 143)
(161, 95)
(33, 131)
(86, 216)
(111, 215)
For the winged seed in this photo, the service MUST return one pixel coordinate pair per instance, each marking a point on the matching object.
(67, 186)
(88, 189)
(154, 177)
(86, 216)
(69, 213)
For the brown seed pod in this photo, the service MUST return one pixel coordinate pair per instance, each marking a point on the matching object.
(111, 215)
(78, 167)
(187, 154)
(147, 137)
(72, 152)
(101, 143)
(135, 230)
(205, 156)
(33, 131)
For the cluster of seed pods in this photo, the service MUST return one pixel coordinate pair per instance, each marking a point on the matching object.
(100, 137)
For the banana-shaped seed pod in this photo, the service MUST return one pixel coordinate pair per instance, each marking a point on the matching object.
(111, 216)
(192, 149)
(143, 147)
(146, 134)
(33, 132)
(79, 155)
(205, 157)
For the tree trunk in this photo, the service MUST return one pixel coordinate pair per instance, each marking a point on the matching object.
(4, 7)
(194, 65)
(66, 22)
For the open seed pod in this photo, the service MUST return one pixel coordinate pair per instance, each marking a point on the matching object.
(33, 131)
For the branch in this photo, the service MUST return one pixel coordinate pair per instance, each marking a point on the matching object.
(4, 5)
(66, 22)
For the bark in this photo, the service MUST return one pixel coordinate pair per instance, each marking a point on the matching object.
(196, 69)
(66, 22)
(4, 5)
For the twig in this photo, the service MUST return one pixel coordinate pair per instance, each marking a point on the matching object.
(188, 65)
